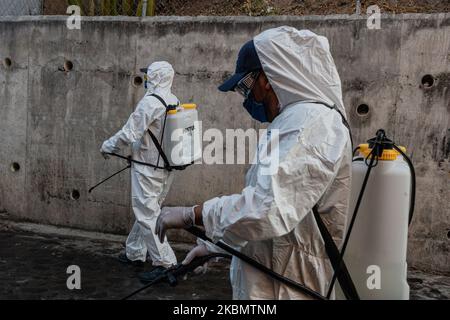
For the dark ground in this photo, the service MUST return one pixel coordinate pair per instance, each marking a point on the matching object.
(33, 263)
(33, 266)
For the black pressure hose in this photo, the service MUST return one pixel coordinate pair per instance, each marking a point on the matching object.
(106, 179)
(286, 281)
(352, 221)
(129, 160)
(171, 274)
(354, 151)
(412, 199)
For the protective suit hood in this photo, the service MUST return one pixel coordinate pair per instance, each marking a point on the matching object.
(299, 66)
(160, 77)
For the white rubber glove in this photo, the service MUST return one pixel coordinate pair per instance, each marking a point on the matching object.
(104, 152)
(174, 218)
(198, 251)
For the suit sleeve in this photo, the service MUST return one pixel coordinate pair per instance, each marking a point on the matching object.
(148, 110)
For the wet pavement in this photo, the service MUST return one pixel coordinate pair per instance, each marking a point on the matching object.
(34, 261)
(426, 286)
(33, 266)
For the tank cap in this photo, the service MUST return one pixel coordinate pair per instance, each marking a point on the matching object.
(388, 154)
(189, 106)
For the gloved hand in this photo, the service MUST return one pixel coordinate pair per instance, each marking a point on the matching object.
(198, 251)
(174, 218)
(104, 152)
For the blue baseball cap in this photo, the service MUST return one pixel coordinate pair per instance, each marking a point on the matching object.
(247, 62)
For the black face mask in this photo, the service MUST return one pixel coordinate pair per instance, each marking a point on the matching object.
(256, 109)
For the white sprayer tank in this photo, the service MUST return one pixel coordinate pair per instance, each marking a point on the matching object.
(181, 143)
(376, 252)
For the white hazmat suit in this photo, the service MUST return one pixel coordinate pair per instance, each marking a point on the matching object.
(149, 186)
(271, 220)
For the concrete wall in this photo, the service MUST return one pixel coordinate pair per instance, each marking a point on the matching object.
(53, 122)
(20, 7)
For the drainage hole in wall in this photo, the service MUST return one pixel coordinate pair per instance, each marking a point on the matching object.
(68, 65)
(427, 81)
(362, 110)
(137, 81)
(75, 194)
(15, 167)
(448, 234)
(7, 62)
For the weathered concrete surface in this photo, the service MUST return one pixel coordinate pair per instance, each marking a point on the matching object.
(34, 260)
(20, 7)
(53, 122)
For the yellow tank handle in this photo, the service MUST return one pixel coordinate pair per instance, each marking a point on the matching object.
(189, 106)
(388, 154)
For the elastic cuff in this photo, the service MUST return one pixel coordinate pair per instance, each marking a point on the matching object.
(189, 217)
(193, 215)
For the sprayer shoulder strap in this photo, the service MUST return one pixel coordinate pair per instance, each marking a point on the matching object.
(345, 281)
(155, 140)
(344, 120)
(160, 100)
(159, 148)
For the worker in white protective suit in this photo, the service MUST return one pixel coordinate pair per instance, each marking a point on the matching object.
(291, 73)
(149, 186)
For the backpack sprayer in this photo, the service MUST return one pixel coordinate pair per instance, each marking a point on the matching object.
(378, 242)
(182, 140)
